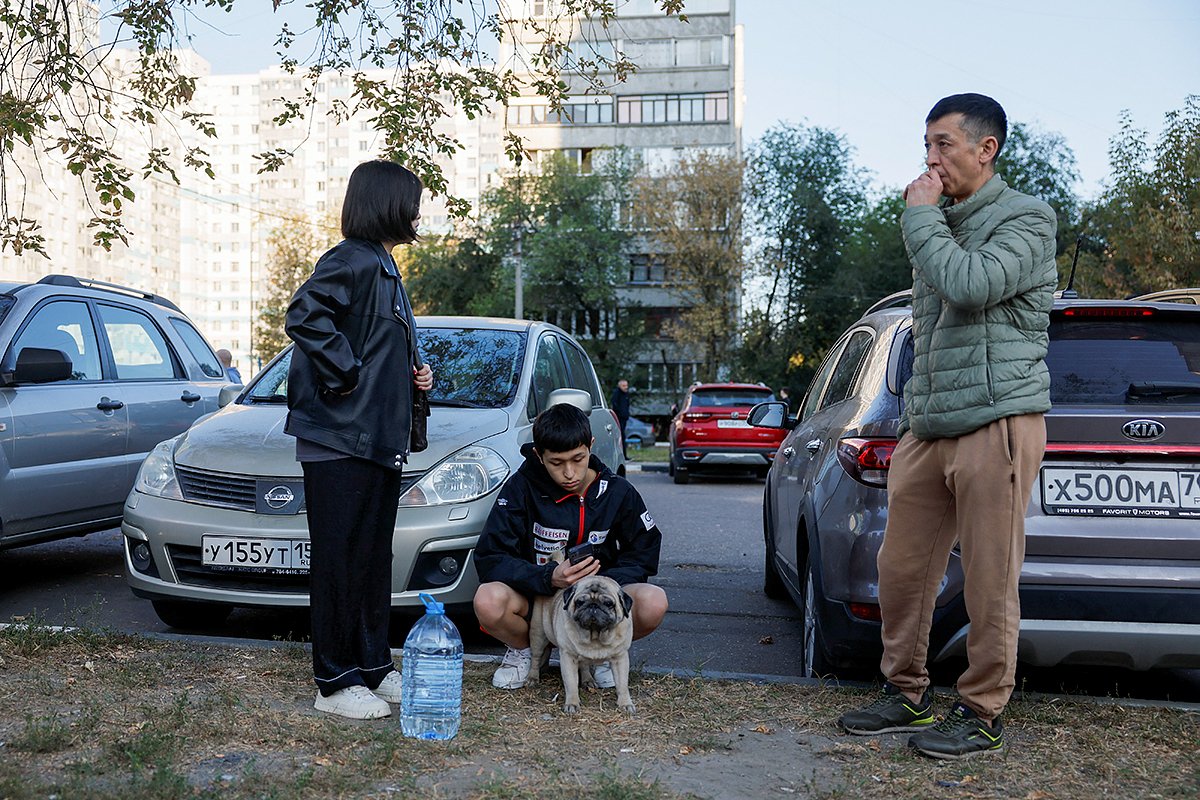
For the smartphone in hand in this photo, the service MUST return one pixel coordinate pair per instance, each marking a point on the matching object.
(579, 552)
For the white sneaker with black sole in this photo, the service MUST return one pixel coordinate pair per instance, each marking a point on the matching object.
(513, 670)
(353, 702)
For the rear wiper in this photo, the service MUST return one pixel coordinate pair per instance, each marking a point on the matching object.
(445, 401)
(1160, 389)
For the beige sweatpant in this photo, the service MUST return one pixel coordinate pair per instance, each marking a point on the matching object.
(974, 490)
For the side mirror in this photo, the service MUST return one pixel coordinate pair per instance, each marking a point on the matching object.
(41, 365)
(228, 394)
(772, 414)
(574, 397)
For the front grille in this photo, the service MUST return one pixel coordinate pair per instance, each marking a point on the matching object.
(190, 571)
(217, 488)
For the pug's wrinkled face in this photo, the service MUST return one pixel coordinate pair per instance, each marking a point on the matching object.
(595, 606)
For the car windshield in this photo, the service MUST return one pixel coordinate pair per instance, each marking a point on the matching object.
(472, 367)
(730, 397)
(7, 301)
(1124, 360)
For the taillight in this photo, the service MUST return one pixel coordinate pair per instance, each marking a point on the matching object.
(696, 416)
(867, 611)
(1108, 311)
(866, 460)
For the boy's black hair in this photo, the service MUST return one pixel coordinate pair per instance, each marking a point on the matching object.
(382, 201)
(982, 116)
(560, 429)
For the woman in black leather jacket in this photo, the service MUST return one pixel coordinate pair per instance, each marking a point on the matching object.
(350, 409)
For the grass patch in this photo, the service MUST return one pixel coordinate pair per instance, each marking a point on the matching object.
(118, 716)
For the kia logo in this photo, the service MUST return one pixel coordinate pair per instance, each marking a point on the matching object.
(279, 496)
(1143, 430)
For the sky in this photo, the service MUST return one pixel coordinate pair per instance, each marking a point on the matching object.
(872, 69)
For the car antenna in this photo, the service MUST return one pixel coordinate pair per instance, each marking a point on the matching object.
(1069, 292)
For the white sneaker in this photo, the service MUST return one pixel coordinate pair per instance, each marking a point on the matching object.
(513, 670)
(602, 674)
(389, 688)
(353, 702)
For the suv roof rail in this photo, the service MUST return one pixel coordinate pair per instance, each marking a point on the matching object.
(91, 283)
(1182, 295)
(900, 299)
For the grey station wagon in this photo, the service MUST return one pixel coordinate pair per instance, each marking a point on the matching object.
(1112, 567)
(216, 518)
(92, 377)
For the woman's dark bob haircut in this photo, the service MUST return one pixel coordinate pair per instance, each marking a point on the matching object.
(382, 200)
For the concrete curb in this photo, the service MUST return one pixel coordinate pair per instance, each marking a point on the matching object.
(652, 466)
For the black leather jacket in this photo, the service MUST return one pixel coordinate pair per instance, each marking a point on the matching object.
(351, 378)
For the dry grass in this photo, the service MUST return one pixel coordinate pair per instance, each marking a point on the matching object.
(106, 716)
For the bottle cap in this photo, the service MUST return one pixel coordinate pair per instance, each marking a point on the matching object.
(431, 606)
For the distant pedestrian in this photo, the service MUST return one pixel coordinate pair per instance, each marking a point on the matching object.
(786, 397)
(972, 433)
(350, 402)
(231, 372)
(620, 407)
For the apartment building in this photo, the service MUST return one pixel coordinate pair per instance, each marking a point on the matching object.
(686, 95)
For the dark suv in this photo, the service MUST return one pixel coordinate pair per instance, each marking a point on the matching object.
(92, 377)
(1112, 567)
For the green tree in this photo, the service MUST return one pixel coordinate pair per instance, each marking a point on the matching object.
(1143, 232)
(294, 246)
(694, 214)
(804, 198)
(64, 89)
(448, 275)
(1040, 163)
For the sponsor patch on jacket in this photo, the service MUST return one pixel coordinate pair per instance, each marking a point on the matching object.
(551, 534)
(502, 502)
(603, 487)
(597, 537)
(648, 520)
(542, 560)
(544, 546)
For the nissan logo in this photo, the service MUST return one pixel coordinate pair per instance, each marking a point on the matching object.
(1143, 430)
(279, 496)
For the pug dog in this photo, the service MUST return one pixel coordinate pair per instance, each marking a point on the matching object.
(590, 623)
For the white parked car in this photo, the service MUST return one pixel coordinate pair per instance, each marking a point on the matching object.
(216, 517)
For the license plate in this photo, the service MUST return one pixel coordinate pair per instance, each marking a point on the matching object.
(255, 555)
(1121, 492)
(732, 423)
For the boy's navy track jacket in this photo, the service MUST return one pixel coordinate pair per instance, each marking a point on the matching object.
(534, 517)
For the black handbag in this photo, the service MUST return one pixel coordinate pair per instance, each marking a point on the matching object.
(418, 438)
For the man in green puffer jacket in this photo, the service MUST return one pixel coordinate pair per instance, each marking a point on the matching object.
(973, 432)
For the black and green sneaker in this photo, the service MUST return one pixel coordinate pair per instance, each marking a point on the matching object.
(960, 735)
(891, 712)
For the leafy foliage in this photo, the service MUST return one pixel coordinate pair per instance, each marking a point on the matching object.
(1039, 163)
(64, 90)
(448, 275)
(694, 215)
(1143, 233)
(295, 245)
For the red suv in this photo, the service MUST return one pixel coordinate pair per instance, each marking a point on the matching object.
(710, 432)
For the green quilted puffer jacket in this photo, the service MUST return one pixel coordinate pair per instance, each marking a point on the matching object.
(983, 282)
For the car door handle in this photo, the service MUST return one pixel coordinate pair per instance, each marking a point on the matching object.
(608, 427)
(189, 397)
(813, 446)
(788, 452)
(109, 405)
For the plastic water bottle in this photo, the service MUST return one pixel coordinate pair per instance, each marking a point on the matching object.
(431, 676)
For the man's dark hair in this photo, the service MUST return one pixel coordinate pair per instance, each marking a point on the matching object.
(560, 429)
(982, 116)
(382, 201)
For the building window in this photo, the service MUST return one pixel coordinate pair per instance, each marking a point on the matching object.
(598, 112)
(700, 51)
(673, 108)
(647, 268)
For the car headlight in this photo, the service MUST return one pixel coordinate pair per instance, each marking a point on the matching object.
(468, 474)
(157, 473)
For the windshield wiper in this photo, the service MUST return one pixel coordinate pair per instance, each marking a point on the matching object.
(1161, 389)
(269, 399)
(446, 401)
